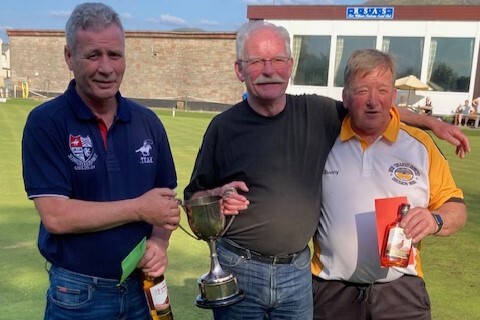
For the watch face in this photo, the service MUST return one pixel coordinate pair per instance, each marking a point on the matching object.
(438, 219)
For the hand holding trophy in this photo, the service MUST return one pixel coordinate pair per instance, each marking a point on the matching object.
(218, 288)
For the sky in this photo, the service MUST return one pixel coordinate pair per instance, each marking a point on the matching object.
(143, 15)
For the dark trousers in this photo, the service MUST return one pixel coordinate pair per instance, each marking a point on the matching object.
(402, 299)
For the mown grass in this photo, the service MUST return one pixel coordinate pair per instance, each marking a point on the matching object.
(450, 264)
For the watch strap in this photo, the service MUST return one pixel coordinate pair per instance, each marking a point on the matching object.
(439, 221)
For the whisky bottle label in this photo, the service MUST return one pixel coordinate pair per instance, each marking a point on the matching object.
(159, 295)
(398, 246)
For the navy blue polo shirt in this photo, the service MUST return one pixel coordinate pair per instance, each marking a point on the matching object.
(64, 155)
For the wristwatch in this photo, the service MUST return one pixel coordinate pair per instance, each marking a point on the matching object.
(439, 221)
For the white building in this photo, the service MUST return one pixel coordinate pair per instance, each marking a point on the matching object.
(437, 44)
(4, 68)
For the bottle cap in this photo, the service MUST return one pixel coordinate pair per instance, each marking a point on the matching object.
(404, 207)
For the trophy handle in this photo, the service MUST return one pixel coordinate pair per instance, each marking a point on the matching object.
(180, 203)
(225, 196)
(187, 232)
(228, 226)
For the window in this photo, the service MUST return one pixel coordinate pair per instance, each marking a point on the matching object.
(407, 52)
(345, 47)
(450, 64)
(311, 56)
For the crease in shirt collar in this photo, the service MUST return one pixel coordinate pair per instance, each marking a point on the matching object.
(390, 134)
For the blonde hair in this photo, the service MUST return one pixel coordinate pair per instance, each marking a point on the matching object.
(364, 61)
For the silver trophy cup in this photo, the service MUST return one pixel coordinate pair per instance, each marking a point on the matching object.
(218, 288)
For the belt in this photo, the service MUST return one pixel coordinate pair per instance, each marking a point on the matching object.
(252, 255)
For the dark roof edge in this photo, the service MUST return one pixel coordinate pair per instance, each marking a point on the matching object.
(322, 12)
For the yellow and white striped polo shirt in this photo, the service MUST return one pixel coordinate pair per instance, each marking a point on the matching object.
(404, 161)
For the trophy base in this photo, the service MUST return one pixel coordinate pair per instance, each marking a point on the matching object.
(218, 293)
(210, 304)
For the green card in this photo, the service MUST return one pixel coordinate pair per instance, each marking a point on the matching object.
(130, 262)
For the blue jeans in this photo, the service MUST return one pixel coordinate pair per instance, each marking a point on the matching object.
(280, 291)
(74, 296)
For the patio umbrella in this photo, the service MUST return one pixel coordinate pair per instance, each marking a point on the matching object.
(410, 83)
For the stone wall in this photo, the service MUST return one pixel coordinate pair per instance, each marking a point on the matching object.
(182, 66)
(38, 57)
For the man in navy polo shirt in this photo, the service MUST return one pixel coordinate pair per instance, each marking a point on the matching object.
(100, 172)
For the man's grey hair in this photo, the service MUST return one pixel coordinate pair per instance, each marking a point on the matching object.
(253, 25)
(362, 62)
(90, 15)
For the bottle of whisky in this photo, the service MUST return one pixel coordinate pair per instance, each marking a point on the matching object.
(157, 297)
(396, 247)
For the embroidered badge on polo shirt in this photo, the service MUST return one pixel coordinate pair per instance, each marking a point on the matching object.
(82, 152)
(404, 173)
(145, 151)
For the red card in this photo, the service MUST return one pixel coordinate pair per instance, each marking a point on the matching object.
(386, 211)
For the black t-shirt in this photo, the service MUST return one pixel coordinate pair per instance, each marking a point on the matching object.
(281, 159)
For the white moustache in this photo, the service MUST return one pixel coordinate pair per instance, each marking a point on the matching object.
(267, 80)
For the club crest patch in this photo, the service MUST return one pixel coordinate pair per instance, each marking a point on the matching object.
(404, 173)
(82, 152)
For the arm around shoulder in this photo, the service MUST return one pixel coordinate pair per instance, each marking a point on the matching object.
(442, 130)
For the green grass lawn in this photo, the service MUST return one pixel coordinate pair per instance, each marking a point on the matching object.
(450, 264)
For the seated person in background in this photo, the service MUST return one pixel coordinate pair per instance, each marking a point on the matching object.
(428, 107)
(456, 115)
(402, 103)
(475, 102)
(462, 112)
(472, 116)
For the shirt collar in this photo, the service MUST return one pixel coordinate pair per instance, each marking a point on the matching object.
(390, 133)
(82, 111)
